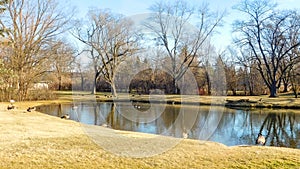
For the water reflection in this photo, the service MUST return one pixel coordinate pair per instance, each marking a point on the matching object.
(279, 129)
(224, 125)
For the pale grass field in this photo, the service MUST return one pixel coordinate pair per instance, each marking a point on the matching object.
(36, 140)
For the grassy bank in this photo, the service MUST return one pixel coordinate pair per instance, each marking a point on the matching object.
(33, 140)
(285, 101)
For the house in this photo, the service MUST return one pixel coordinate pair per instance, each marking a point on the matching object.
(41, 85)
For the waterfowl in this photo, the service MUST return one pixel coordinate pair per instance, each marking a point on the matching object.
(137, 106)
(105, 125)
(185, 135)
(12, 101)
(9, 107)
(260, 139)
(66, 116)
(30, 108)
(108, 96)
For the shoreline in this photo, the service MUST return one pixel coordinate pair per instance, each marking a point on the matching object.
(226, 101)
(263, 101)
(226, 104)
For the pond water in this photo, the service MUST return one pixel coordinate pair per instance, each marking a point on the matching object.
(213, 123)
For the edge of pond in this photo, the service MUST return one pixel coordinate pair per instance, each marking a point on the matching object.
(227, 104)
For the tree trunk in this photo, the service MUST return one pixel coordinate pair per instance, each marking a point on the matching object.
(285, 87)
(233, 92)
(94, 85)
(208, 88)
(296, 94)
(175, 90)
(113, 89)
(22, 90)
(251, 87)
(82, 81)
(208, 82)
(295, 90)
(59, 82)
(97, 74)
(273, 89)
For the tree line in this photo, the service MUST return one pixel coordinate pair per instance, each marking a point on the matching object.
(36, 47)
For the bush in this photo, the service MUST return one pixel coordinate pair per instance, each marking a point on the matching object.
(41, 94)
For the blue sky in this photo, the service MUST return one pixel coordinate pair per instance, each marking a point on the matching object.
(133, 7)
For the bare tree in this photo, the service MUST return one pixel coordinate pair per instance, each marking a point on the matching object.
(63, 59)
(267, 33)
(109, 39)
(170, 23)
(31, 26)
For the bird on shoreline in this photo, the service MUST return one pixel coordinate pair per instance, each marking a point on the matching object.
(66, 116)
(12, 101)
(260, 139)
(30, 108)
(185, 135)
(106, 125)
(11, 106)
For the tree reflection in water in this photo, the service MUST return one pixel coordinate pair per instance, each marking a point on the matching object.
(280, 129)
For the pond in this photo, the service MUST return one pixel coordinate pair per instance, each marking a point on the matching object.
(214, 123)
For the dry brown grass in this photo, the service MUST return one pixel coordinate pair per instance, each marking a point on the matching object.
(283, 101)
(35, 140)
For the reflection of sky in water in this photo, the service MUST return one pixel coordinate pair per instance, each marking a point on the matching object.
(147, 128)
(232, 127)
